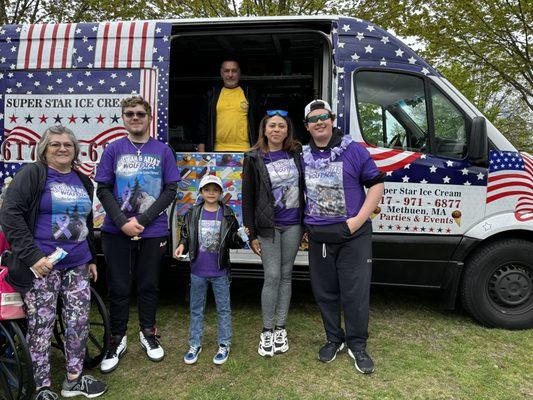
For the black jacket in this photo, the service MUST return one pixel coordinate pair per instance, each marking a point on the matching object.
(208, 116)
(257, 198)
(229, 238)
(18, 217)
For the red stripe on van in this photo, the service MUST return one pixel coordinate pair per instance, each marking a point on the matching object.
(41, 45)
(130, 44)
(104, 45)
(28, 47)
(53, 47)
(117, 44)
(65, 47)
(143, 43)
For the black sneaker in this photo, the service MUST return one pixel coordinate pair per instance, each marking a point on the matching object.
(46, 394)
(85, 385)
(363, 362)
(328, 352)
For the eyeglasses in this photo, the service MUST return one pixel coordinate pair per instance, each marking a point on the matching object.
(138, 114)
(315, 118)
(57, 145)
(281, 113)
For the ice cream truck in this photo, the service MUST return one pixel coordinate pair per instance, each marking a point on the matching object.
(457, 212)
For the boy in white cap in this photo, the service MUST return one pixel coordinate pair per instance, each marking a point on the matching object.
(209, 231)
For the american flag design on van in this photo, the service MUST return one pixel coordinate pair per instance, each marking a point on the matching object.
(511, 179)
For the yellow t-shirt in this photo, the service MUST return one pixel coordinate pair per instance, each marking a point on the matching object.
(232, 121)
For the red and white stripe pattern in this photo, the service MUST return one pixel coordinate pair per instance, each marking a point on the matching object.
(390, 159)
(21, 134)
(125, 45)
(514, 182)
(46, 46)
(149, 93)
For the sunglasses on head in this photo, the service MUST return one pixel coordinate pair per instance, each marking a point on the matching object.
(138, 114)
(281, 113)
(316, 118)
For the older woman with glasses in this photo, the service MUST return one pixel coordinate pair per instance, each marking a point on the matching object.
(272, 197)
(48, 206)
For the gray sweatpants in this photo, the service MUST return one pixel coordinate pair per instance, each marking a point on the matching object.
(278, 254)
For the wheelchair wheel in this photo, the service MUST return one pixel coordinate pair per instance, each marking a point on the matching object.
(99, 331)
(16, 370)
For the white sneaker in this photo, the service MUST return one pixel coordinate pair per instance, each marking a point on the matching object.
(117, 349)
(281, 342)
(150, 343)
(266, 344)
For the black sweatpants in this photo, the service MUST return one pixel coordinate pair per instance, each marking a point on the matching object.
(127, 259)
(340, 278)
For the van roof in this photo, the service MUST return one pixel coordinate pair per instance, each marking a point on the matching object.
(254, 19)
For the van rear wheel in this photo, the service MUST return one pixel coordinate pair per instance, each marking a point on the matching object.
(497, 287)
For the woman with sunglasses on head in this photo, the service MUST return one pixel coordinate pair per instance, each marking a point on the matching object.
(49, 205)
(272, 195)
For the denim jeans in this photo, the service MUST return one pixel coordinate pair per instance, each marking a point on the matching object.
(221, 291)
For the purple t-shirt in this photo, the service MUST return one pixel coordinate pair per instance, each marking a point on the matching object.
(284, 178)
(335, 192)
(138, 180)
(62, 219)
(206, 262)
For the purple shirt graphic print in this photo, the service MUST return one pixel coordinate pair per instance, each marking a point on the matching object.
(138, 180)
(62, 219)
(325, 191)
(284, 178)
(206, 262)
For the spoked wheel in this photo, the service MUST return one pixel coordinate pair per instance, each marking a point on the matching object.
(16, 371)
(99, 331)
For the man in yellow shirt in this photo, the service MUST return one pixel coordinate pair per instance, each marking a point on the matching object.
(227, 121)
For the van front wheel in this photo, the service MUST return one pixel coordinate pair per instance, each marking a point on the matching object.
(497, 287)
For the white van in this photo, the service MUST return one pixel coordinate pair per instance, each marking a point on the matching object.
(457, 213)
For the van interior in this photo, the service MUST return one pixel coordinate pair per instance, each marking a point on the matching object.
(286, 67)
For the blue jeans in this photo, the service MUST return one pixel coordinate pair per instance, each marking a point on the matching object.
(221, 291)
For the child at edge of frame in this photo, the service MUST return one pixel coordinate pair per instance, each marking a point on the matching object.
(210, 229)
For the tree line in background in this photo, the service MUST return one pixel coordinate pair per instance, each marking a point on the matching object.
(484, 48)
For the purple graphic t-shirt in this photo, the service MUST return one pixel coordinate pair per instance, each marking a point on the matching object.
(62, 219)
(138, 180)
(335, 192)
(206, 262)
(284, 178)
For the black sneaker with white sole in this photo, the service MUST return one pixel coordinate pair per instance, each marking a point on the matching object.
(328, 352)
(118, 346)
(150, 343)
(85, 385)
(363, 362)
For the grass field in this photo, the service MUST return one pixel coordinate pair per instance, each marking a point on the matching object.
(420, 352)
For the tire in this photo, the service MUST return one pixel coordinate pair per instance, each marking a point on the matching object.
(497, 286)
(99, 333)
(16, 370)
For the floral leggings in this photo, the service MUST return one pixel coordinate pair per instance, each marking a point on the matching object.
(41, 301)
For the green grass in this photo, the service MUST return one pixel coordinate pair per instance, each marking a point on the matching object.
(420, 352)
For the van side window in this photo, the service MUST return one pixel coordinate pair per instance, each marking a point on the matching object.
(450, 126)
(392, 110)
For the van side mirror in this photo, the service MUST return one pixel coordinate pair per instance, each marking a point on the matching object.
(478, 147)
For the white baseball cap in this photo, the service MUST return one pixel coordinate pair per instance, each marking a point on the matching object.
(316, 105)
(207, 179)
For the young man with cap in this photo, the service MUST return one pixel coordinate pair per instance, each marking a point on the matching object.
(137, 180)
(337, 218)
(209, 231)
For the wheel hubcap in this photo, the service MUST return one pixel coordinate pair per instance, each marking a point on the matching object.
(511, 285)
